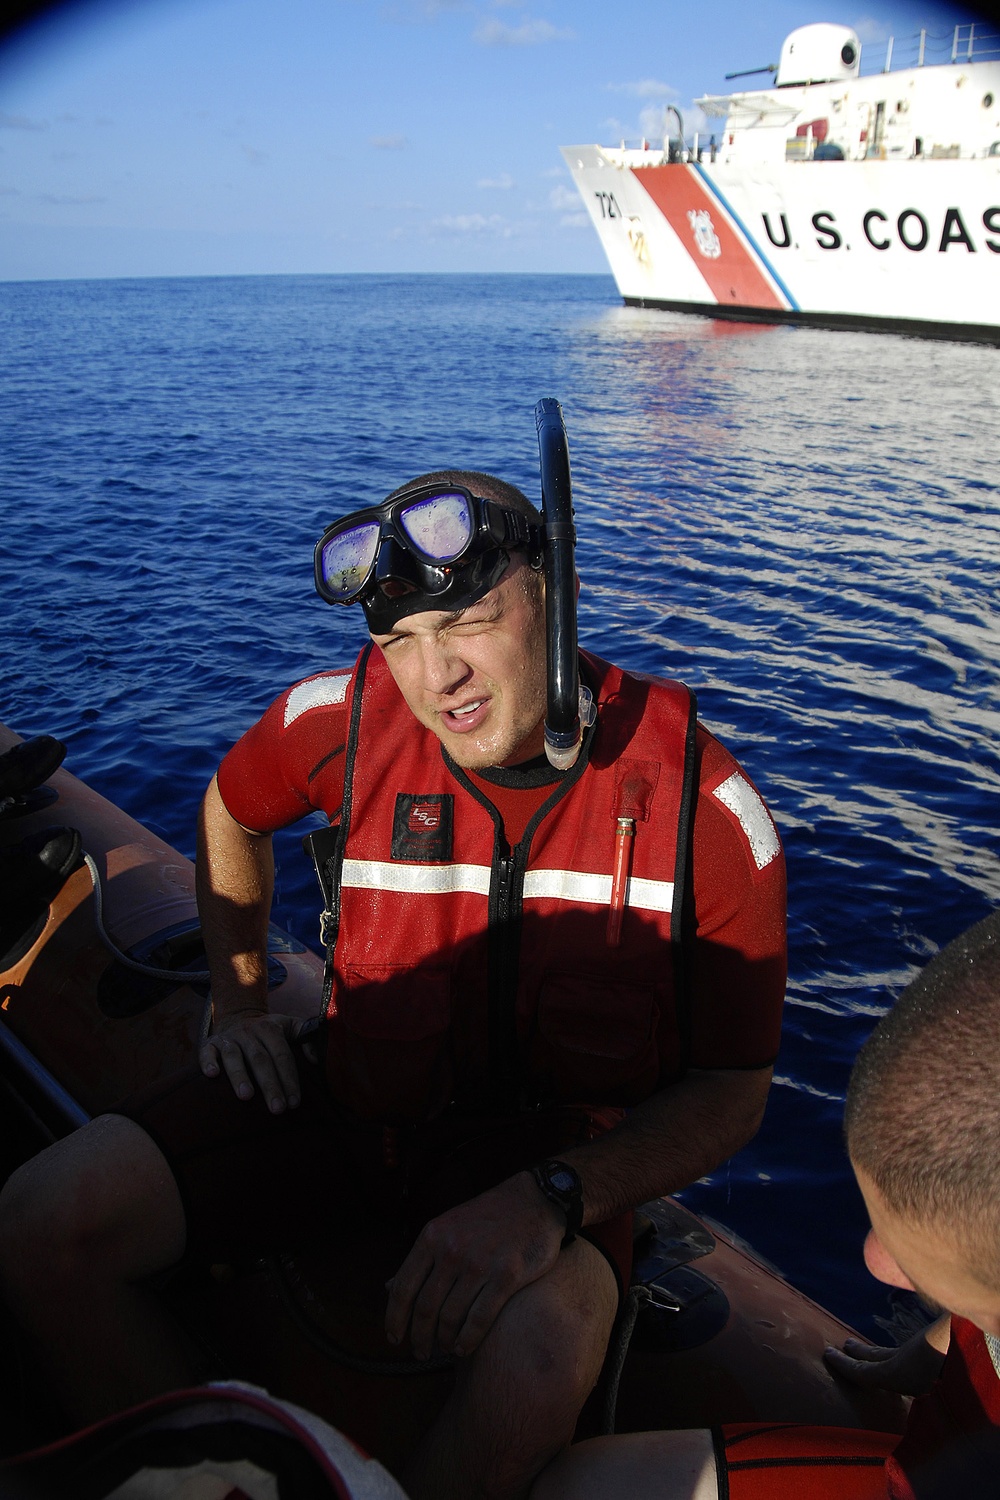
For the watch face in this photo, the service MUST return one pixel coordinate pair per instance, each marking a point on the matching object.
(562, 1181)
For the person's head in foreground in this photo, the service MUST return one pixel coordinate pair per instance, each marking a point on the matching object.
(923, 1131)
(447, 570)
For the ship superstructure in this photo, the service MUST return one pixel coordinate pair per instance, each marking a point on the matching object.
(830, 197)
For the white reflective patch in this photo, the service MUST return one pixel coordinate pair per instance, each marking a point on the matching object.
(567, 885)
(318, 693)
(432, 880)
(571, 885)
(993, 1345)
(651, 895)
(474, 880)
(738, 795)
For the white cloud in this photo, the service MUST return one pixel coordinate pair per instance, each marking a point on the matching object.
(493, 33)
(468, 223)
(66, 198)
(650, 123)
(489, 226)
(388, 142)
(870, 30)
(409, 12)
(566, 203)
(504, 181)
(564, 198)
(644, 88)
(653, 123)
(21, 122)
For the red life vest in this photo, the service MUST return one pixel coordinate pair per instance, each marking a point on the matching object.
(965, 1399)
(466, 971)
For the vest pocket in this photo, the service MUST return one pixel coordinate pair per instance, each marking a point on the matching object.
(596, 1040)
(388, 1057)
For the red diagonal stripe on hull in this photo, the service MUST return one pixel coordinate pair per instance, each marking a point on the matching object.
(733, 275)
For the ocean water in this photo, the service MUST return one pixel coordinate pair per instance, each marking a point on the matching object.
(803, 525)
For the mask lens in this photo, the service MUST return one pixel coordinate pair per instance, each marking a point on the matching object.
(441, 527)
(347, 559)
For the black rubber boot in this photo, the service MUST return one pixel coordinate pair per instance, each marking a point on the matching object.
(28, 764)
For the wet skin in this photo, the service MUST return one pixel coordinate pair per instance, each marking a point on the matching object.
(476, 678)
(926, 1257)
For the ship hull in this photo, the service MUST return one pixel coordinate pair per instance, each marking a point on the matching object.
(908, 246)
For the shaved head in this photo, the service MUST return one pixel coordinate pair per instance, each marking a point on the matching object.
(923, 1105)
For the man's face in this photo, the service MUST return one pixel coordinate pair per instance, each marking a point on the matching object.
(926, 1258)
(476, 678)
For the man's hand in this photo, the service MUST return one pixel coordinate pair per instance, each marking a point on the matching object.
(251, 1047)
(910, 1370)
(467, 1264)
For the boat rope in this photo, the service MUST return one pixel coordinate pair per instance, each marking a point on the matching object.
(614, 1360)
(326, 1346)
(179, 976)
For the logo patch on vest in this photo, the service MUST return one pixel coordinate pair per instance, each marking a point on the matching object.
(422, 826)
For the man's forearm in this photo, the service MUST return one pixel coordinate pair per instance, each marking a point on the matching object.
(670, 1140)
(235, 883)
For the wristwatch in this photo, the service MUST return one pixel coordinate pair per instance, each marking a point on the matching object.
(562, 1186)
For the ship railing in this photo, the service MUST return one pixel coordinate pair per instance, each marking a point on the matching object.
(653, 146)
(698, 147)
(971, 41)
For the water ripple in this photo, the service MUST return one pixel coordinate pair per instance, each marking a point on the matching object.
(803, 525)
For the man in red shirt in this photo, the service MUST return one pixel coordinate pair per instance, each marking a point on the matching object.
(923, 1129)
(568, 982)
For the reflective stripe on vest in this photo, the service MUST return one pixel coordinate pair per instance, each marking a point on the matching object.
(553, 885)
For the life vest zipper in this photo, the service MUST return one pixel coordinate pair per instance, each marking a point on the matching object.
(504, 955)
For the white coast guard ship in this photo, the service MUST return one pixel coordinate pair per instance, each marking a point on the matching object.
(829, 197)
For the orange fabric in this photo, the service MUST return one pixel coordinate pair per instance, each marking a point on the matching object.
(795, 1462)
(733, 273)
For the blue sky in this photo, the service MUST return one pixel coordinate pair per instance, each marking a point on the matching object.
(208, 137)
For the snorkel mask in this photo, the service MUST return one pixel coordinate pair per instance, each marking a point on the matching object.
(439, 546)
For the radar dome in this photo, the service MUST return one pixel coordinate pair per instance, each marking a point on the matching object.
(822, 53)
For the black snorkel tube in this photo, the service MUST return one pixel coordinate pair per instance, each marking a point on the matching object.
(563, 725)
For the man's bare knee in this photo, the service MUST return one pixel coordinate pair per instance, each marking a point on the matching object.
(103, 1194)
(567, 1318)
(543, 1355)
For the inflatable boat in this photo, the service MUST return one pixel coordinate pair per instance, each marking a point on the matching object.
(104, 990)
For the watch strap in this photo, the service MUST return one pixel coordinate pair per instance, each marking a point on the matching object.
(567, 1194)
